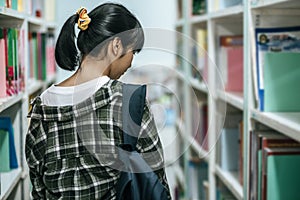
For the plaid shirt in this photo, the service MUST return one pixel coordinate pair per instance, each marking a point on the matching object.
(71, 150)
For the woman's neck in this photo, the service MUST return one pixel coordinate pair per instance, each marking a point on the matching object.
(89, 69)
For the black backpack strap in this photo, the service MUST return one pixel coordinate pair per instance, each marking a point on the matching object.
(132, 112)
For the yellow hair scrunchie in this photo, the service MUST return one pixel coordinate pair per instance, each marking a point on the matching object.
(84, 19)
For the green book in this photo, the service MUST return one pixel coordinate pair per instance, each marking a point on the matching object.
(259, 171)
(283, 174)
(281, 81)
(2, 3)
(4, 151)
(14, 4)
(44, 57)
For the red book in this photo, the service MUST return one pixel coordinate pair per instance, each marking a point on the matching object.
(235, 69)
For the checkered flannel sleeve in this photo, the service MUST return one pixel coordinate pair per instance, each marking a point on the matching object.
(34, 152)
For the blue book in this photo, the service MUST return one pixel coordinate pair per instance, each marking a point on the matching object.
(279, 39)
(6, 124)
(229, 149)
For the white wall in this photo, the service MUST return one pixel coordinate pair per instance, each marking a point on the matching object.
(152, 14)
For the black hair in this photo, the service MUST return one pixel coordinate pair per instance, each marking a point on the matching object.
(108, 20)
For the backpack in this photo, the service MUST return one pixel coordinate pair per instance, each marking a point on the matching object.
(145, 184)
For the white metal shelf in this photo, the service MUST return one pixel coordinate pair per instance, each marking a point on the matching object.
(227, 12)
(50, 79)
(9, 180)
(51, 25)
(179, 23)
(200, 86)
(202, 153)
(230, 179)
(34, 86)
(233, 98)
(275, 4)
(35, 21)
(179, 174)
(10, 101)
(195, 19)
(11, 13)
(286, 123)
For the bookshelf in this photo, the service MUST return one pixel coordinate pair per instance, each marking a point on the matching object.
(241, 18)
(14, 183)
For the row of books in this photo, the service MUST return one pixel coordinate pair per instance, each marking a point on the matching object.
(13, 4)
(200, 57)
(222, 4)
(11, 61)
(229, 147)
(277, 72)
(200, 124)
(229, 60)
(37, 8)
(42, 62)
(198, 174)
(44, 9)
(274, 166)
(8, 155)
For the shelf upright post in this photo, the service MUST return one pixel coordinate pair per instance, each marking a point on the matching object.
(212, 113)
(186, 32)
(248, 95)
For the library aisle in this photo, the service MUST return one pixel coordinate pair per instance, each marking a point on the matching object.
(228, 115)
(240, 74)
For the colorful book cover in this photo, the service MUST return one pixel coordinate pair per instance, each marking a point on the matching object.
(281, 81)
(14, 4)
(10, 82)
(21, 59)
(226, 43)
(229, 149)
(6, 124)
(281, 173)
(235, 69)
(4, 151)
(2, 3)
(277, 141)
(2, 65)
(280, 39)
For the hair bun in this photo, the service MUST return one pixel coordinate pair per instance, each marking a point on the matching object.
(83, 19)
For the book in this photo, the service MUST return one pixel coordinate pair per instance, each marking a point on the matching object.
(4, 151)
(275, 141)
(234, 79)
(278, 39)
(201, 53)
(255, 160)
(281, 81)
(49, 10)
(2, 3)
(259, 140)
(6, 124)
(2, 65)
(229, 149)
(199, 7)
(281, 173)
(230, 62)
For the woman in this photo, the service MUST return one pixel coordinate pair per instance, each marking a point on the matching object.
(76, 125)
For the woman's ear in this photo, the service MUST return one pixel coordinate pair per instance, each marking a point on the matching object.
(117, 47)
